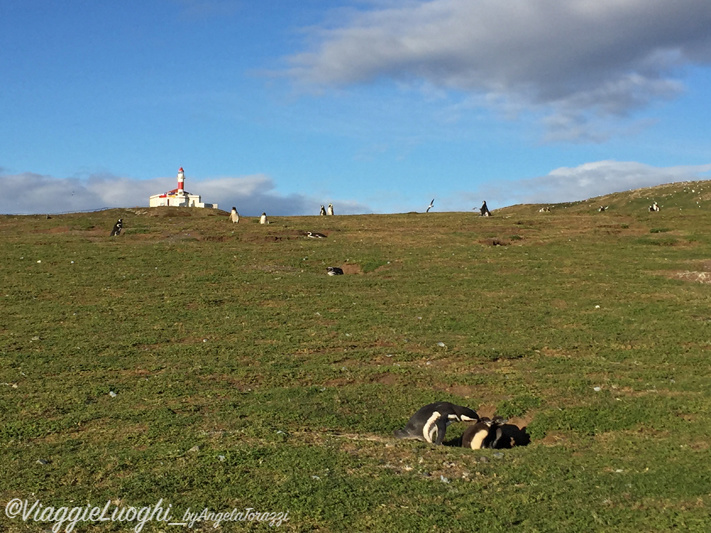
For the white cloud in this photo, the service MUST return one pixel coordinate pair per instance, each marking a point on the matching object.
(30, 193)
(567, 184)
(573, 61)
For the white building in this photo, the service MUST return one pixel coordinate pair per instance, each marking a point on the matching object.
(179, 197)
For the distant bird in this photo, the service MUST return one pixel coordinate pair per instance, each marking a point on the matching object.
(314, 235)
(334, 271)
(485, 433)
(484, 211)
(603, 208)
(234, 216)
(117, 228)
(330, 209)
(263, 219)
(323, 211)
(654, 207)
(430, 206)
(430, 422)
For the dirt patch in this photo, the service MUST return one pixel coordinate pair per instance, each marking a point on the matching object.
(690, 275)
(494, 242)
(553, 439)
(486, 410)
(351, 268)
(387, 379)
(271, 237)
(59, 229)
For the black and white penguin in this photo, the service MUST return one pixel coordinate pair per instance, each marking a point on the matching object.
(486, 433)
(263, 219)
(330, 209)
(654, 207)
(315, 235)
(484, 210)
(430, 422)
(430, 206)
(234, 216)
(334, 271)
(117, 228)
(323, 211)
(603, 208)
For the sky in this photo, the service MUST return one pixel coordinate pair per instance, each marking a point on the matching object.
(376, 106)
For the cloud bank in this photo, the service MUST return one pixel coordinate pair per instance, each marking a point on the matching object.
(568, 184)
(576, 63)
(30, 193)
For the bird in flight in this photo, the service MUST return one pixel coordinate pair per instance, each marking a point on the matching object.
(430, 206)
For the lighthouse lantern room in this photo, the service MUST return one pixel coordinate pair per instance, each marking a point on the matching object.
(179, 197)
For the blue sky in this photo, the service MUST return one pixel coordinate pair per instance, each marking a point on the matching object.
(376, 106)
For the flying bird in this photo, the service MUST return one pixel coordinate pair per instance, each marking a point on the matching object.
(430, 206)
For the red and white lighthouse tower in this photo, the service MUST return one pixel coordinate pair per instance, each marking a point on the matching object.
(181, 181)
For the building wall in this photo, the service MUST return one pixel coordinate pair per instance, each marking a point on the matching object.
(189, 200)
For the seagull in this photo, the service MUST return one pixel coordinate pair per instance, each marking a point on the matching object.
(313, 235)
(430, 206)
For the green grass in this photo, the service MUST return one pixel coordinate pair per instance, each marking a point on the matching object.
(217, 365)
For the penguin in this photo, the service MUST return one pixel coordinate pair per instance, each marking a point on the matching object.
(486, 433)
(263, 219)
(314, 235)
(334, 271)
(654, 207)
(430, 422)
(430, 206)
(234, 215)
(117, 228)
(484, 210)
(330, 209)
(603, 208)
(323, 211)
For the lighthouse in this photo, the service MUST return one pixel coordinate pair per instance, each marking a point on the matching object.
(179, 197)
(181, 181)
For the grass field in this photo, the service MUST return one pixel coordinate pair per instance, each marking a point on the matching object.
(217, 366)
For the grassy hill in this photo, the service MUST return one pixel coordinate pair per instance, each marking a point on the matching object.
(217, 366)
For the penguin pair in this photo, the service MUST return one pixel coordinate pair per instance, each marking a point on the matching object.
(117, 228)
(486, 433)
(429, 423)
